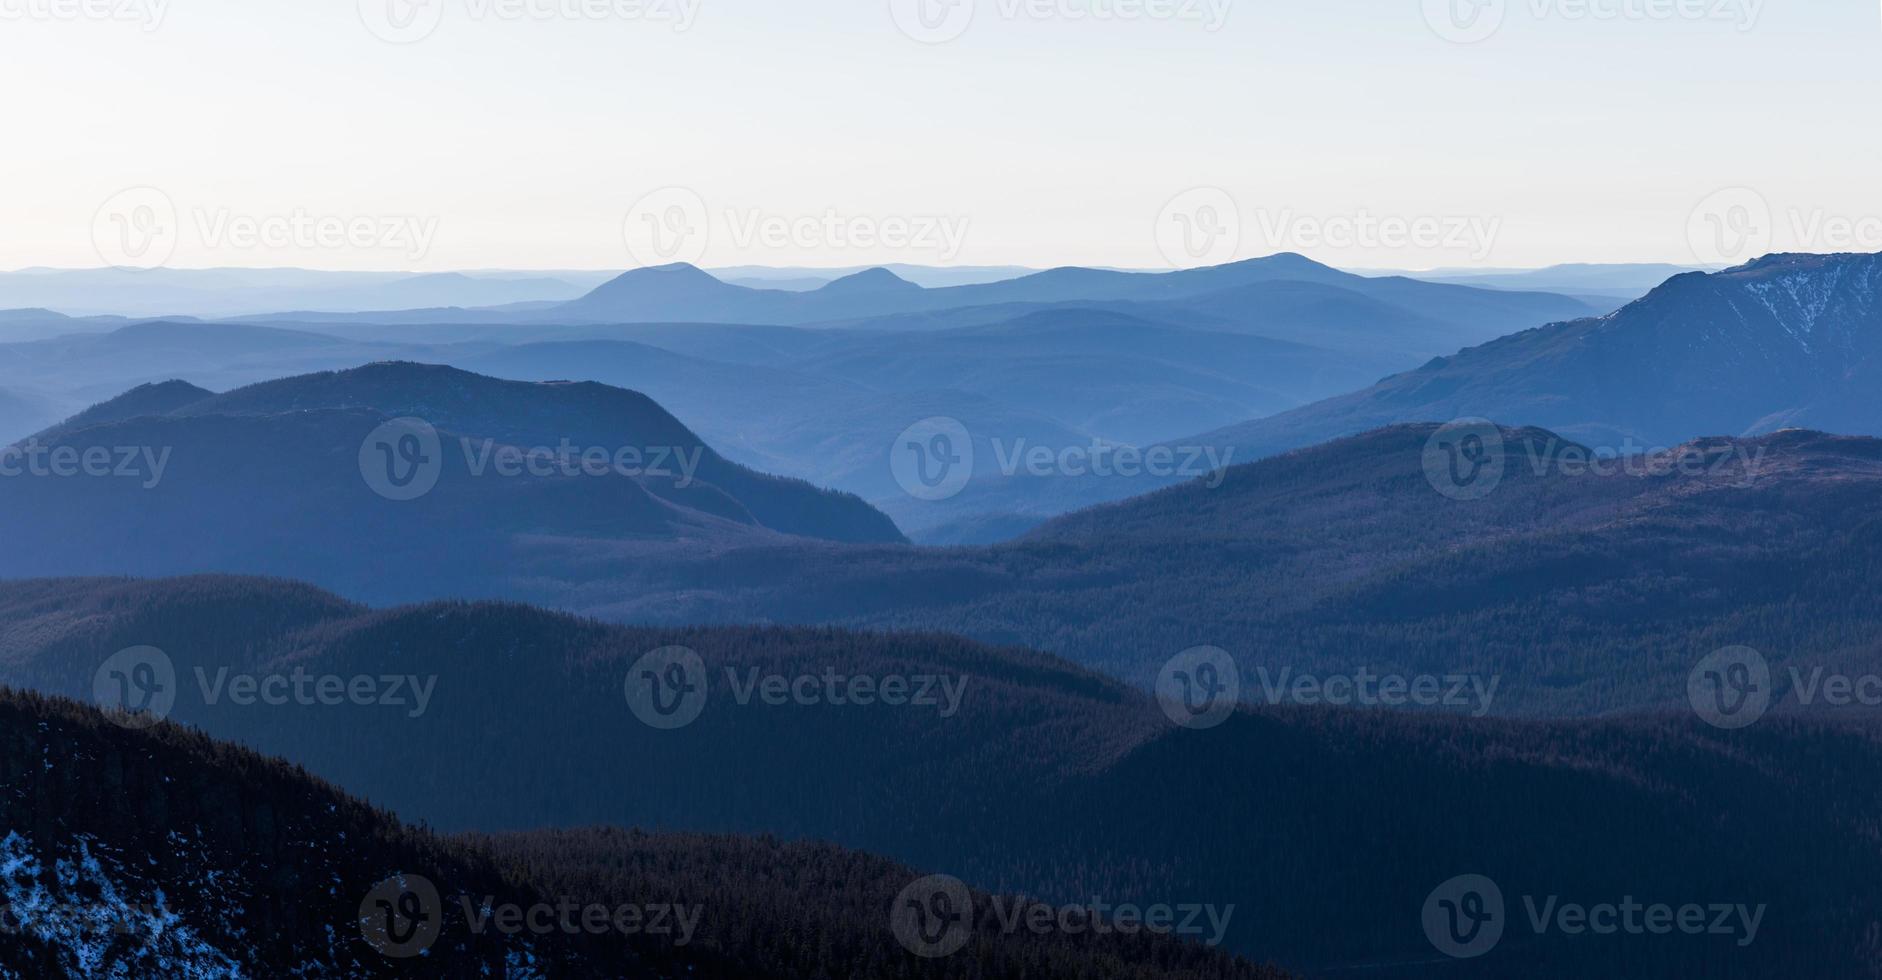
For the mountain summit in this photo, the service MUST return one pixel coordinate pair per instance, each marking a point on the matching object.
(1783, 341)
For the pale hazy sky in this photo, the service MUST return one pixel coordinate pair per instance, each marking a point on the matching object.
(529, 133)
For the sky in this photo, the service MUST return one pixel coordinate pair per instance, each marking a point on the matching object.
(434, 135)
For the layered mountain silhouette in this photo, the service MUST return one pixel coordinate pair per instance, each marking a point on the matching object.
(177, 856)
(1347, 557)
(285, 475)
(1785, 341)
(685, 293)
(1043, 779)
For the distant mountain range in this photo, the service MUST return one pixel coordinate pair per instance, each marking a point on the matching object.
(1096, 795)
(241, 292)
(1614, 280)
(684, 293)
